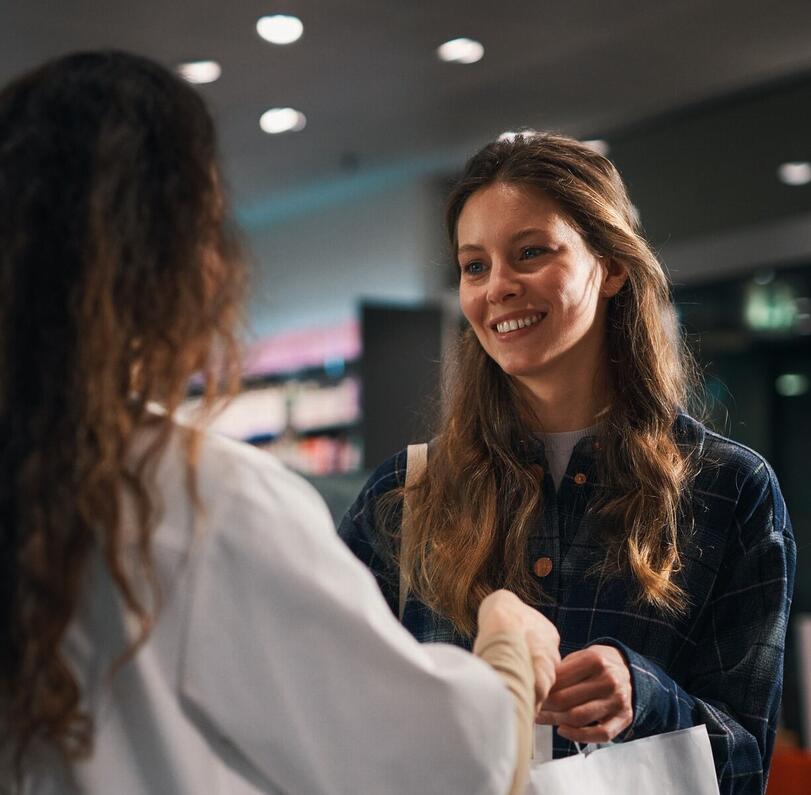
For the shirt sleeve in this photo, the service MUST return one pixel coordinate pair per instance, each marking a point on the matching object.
(509, 656)
(293, 658)
(736, 676)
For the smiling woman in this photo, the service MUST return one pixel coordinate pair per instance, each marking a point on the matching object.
(566, 469)
(536, 298)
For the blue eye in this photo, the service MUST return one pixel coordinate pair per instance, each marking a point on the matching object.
(474, 268)
(528, 252)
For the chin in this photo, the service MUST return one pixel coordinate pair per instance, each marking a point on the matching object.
(522, 369)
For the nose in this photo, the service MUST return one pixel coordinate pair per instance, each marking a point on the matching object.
(504, 283)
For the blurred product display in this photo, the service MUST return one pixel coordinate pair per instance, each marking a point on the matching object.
(301, 400)
(310, 419)
(323, 400)
(316, 455)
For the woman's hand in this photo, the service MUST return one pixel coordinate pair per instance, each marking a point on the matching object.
(503, 611)
(591, 701)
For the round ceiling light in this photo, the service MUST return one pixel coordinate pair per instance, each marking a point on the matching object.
(280, 28)
(797, 172)
(281, 120)
(200, 71)
(461, 51)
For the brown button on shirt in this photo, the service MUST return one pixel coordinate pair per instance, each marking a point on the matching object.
(542, 567)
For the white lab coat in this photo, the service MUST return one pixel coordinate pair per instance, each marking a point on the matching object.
(275, 665)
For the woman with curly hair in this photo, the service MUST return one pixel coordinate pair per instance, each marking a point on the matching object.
(567, 470)
(177, 615)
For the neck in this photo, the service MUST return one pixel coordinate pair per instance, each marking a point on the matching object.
(568, 403)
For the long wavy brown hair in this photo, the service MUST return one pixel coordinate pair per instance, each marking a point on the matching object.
(119, 280)
(474, 510)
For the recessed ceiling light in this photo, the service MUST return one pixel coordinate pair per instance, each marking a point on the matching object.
(200, 71)
(461, 51)
(797, 172)
(280, 29)
(280, 120)
(598, 145)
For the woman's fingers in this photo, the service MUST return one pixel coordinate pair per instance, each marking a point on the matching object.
(591, 700)
(579, 666)
(584, 714)
(599, 733)
(581, 693)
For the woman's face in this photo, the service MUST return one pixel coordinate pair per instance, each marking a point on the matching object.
(530, 287)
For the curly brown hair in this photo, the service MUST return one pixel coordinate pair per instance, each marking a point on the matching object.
(120, 279)
(481, 497)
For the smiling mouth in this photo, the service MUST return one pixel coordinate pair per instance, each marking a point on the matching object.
(507, 326)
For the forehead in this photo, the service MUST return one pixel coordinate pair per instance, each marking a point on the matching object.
(503, 208)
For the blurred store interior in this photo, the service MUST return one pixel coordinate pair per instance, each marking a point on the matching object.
(704, 105)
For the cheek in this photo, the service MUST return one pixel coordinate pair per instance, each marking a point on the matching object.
(469, 305)
(579, 300)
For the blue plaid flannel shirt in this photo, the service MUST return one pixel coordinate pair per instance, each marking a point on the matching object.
(721, 664)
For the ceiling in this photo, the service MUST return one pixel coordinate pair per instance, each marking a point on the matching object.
(376, 97)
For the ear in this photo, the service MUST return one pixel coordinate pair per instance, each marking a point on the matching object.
(614, 276)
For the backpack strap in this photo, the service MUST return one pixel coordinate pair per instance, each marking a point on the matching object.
(416, 462)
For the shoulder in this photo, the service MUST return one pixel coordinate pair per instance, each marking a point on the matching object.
(734, 480)
(361, 525)
(242, 490)
(228, 464)
(737, 469)
(235, 471)
(386, 477)
(729, 464)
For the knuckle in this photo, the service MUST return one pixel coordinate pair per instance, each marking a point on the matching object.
(602, 734)
(602, 663)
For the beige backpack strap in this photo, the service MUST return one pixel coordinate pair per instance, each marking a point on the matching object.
(416, 461)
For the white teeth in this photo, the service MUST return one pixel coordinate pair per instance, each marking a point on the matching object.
(514, 325)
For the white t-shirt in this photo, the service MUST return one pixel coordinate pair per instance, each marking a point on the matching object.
(558, 448)
(275, 665)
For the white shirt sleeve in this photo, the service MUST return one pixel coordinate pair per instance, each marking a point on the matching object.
(293, 657)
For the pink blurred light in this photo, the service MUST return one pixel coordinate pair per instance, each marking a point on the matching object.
(305, 348)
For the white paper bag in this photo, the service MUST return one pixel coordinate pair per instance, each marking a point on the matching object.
(676, 763)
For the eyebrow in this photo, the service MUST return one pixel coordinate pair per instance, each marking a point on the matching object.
(532, 230)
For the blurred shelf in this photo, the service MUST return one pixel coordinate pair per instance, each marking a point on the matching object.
(317, 455)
